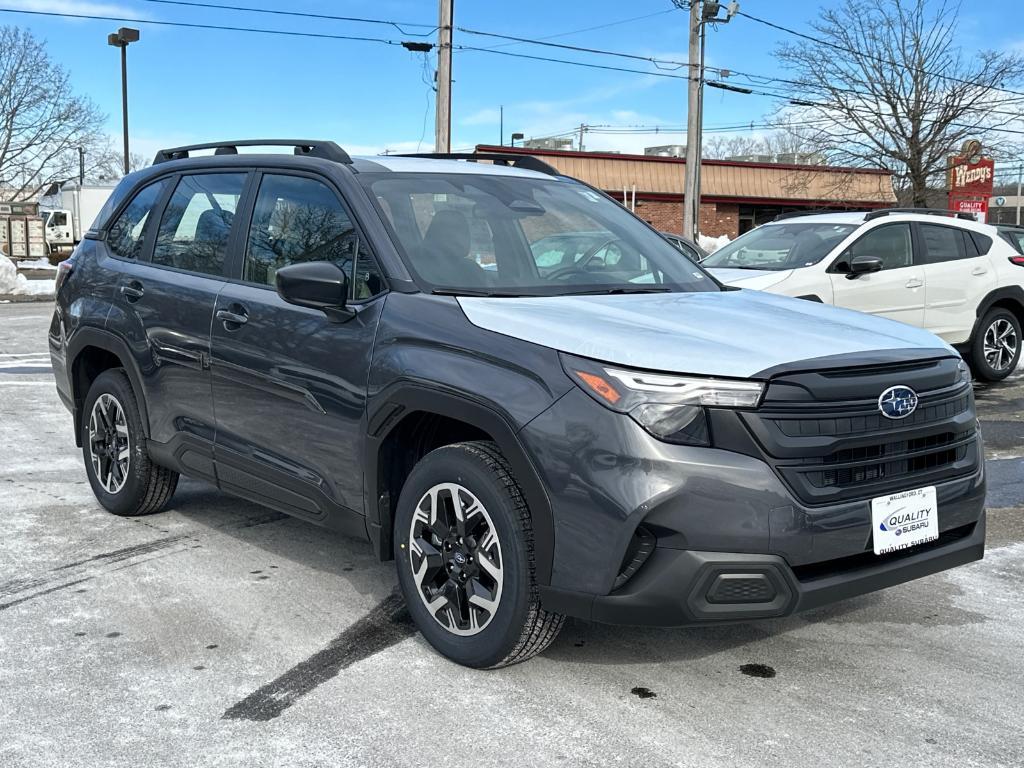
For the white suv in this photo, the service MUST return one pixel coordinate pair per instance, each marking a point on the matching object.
(940, 271)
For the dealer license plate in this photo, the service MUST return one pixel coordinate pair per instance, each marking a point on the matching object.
(904, 520)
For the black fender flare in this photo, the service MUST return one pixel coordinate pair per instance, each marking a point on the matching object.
(1013, 292)
(109, 342)
(401, 398)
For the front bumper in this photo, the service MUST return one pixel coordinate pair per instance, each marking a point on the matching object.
(725, 538)
(687, 588)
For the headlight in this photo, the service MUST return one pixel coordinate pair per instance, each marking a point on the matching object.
(669, 407)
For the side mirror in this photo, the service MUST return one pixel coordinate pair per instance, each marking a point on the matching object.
(862, 265)
(317, 285)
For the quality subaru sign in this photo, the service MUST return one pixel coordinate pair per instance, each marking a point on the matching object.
(904, 520)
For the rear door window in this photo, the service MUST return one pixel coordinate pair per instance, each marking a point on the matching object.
(944, 244)
(126, 235)
(196, 224)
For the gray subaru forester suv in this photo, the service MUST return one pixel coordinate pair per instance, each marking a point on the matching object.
(407, 350)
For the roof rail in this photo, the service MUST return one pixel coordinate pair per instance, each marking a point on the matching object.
(813, 212)
(327, 150)
(926, 211)
(526, 162)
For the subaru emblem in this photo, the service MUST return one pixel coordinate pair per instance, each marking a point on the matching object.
(897, 402)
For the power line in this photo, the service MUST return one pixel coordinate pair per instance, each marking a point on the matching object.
(581, 49)
(881, 59)
(398, 25)
(305, 15)
(195, 25)
(808, 103)
(589, 65)
(675, 65)
(828, 88)
(594, 28)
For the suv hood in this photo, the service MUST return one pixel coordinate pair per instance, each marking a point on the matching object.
(758, 279)
(735, 333)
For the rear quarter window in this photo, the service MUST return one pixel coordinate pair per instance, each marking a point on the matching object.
(982, 242)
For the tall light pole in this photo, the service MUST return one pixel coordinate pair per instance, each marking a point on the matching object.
(443, 118)
(121, 39)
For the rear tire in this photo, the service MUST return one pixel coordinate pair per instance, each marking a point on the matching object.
(470, 585)
(996, 348)
(123, 477)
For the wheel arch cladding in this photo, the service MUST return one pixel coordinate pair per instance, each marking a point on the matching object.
(411, 420)
(91, 352)
(1010, 297)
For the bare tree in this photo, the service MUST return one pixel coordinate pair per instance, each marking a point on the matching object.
(788, 139)
(719, 147)
(885, 86)
(42, 122)
(108, 164)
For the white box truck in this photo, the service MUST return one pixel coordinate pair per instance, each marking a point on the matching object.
(68, 210)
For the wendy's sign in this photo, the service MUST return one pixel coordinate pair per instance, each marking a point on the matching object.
(970, 172)
(971, 176)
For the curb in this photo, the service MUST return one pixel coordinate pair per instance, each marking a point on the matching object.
(18, 298)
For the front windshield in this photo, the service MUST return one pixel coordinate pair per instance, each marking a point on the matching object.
(780, 246)
(504, 235)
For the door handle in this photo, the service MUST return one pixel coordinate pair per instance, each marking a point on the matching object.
(914, 283)
(979, 271)
(233, 320)
(132, 291)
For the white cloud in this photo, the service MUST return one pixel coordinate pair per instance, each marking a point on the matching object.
(481, 117)
(75, 7)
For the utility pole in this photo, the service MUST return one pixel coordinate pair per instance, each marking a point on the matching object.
(702, 13)
(443, 120)
(691, 186)
(501, 125)
(583, 127)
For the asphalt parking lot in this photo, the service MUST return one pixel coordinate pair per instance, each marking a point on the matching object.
(221, 633)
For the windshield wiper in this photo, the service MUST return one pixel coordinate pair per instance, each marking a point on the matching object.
(618, 289)
(472, 292)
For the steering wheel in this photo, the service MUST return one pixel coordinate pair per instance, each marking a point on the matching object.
(581, 265)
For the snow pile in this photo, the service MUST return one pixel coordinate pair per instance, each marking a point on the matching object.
(41, 263)
(13, 283)
(712, 244)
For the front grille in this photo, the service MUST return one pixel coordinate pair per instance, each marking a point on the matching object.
(846, 450)
(891, 460)
(872, 422)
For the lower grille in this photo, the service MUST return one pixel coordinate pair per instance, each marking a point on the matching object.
(868, 558)
(741, 588)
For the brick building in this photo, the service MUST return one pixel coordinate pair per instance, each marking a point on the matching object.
(736, 196)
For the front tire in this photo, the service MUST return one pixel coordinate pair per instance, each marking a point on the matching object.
(997, 345)
(123, 477)
(465, 558)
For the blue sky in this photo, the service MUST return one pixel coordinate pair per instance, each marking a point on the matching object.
(191, 85)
